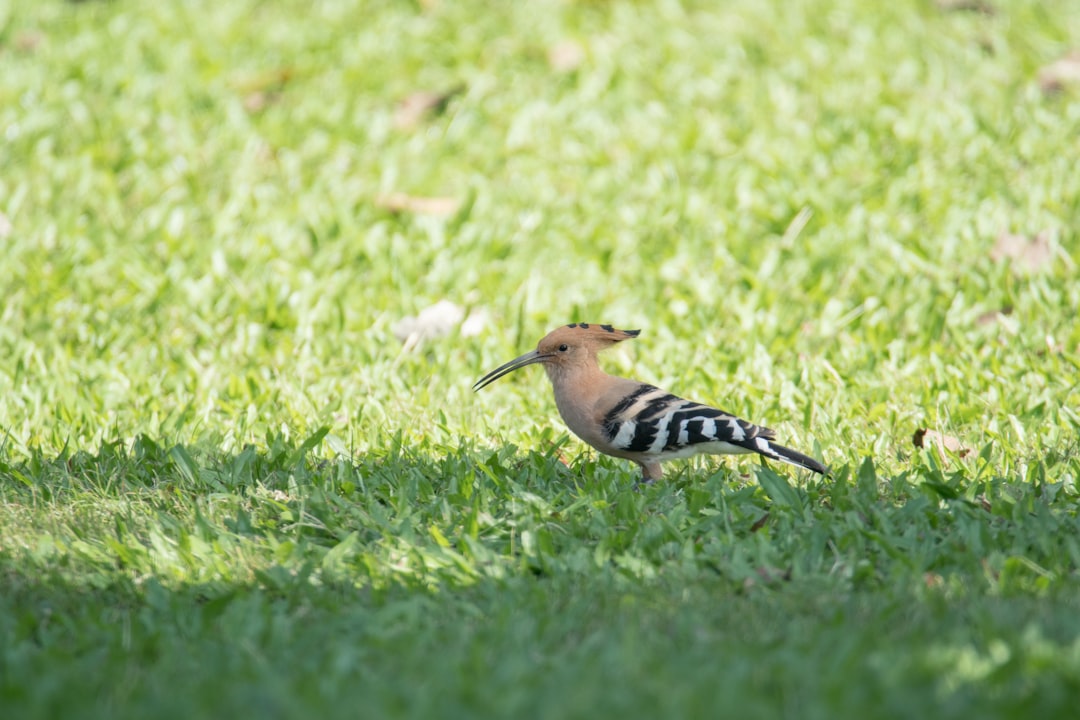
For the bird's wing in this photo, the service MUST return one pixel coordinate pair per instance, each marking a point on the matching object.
(652, 421)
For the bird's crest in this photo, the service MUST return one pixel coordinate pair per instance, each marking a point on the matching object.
(592, 334)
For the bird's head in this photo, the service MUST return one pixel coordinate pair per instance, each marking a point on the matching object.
(562, 348)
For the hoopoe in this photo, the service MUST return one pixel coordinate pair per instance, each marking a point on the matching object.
(630, 419)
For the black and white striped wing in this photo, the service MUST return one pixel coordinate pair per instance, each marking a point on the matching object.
(657, 423)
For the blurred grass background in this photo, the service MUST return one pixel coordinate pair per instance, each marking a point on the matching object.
(196, 238)
(846, 220)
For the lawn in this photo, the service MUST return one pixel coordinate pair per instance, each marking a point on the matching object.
(232, 483)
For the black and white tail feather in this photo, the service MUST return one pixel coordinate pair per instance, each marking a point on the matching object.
(663, 426)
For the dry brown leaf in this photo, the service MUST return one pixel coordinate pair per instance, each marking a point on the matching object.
(1061, 73)
(1029, 253)
(28, 41)
(402, 203)
(759, 523)
(975, 6)
(421, 105)
(565, 56)
(767, 576)
(261, 89)
(773, 574)
(259, 100)
(273, 80)
(926, 438)
(992, 316)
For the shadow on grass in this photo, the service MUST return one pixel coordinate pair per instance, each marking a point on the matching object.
(182, 581)
(526, 646)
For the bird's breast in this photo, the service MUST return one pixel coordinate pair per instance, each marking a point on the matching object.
(578, 415)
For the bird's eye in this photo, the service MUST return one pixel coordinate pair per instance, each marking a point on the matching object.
(563, 348)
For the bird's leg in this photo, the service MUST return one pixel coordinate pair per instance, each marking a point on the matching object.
(650, 473)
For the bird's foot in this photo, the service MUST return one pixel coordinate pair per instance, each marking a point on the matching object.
(642, 482)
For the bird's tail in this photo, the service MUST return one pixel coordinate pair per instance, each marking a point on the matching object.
(793, 457)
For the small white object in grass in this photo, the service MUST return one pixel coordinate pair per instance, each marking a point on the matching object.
(433, 321)
(476, 322)
(566, 56)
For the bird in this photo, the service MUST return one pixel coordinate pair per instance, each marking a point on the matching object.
(634, 420)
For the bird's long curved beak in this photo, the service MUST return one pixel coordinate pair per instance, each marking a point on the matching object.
(528, 358)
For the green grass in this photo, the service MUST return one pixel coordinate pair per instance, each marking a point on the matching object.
(226, 488)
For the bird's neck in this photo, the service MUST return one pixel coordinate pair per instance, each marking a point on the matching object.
(578, 384)
(578, 393)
